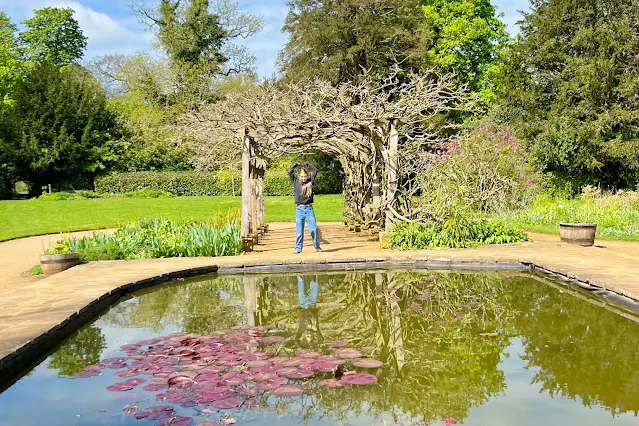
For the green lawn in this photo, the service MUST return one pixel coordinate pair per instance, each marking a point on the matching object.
(26, 218)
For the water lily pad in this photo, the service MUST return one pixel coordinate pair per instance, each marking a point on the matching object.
(332, 383)
(210, 424)
(119, 388)
(289, 390)
(174, 421)
(272, 339)
(359, 379)
(339, 343)
(449, 421)
(416, 307)
(87, 374)
(159, 415)
(348, 353)
(226, 403)
(304, 353)
(301, 374)
(154, 387)
(181, 382)
(368, 363)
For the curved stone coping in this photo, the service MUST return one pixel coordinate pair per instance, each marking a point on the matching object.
(14, 363)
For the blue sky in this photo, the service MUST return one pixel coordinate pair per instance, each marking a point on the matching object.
(112, 28)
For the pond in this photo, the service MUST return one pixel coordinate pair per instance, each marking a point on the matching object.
(375, 348)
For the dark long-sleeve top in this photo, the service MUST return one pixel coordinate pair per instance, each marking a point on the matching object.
(300, 198)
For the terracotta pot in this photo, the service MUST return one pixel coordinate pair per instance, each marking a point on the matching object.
(582, 234)
(54, 263)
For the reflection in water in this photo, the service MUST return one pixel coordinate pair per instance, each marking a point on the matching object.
(426, 328)
(308, 332)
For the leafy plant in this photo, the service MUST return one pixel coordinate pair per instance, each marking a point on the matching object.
(161, 238)
(35, 271)
(59, 248)
(455, 232)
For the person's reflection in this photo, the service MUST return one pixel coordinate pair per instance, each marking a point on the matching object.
(308, 332)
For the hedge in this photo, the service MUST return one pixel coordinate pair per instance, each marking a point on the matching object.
(190, 183)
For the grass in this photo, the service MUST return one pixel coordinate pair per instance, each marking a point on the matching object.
(27, 218)
(616, 216)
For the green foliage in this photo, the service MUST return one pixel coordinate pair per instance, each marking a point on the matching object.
(568, 84)
(59, 248)
(52, 34)
(455, 232)
(223, 182)
(62, 124)
(338, 40)
(89, 195)
(616, 216)
(11, 67)
(35, 271)
(160, 238)
(485, 170)
(467, 37)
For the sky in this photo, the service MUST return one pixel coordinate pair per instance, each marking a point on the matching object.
(111, 27)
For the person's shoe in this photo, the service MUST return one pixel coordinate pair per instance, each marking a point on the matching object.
(297, 252)
(319, 250)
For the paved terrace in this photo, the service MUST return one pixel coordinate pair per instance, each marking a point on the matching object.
(35, 313)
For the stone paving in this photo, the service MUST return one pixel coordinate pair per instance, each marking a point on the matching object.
(34, 311)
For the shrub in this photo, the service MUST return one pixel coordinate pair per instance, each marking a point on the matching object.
(485, 170)
(84, 195)
(223, 182)
(160, 238)
(455, 232)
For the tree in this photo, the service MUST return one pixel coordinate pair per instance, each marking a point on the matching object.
(197, 37)
(467, 38)
(53, 34)
(569, 85)
(339, 40)
(79, 351)
(62, 124)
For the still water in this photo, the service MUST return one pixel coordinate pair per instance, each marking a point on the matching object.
(379, 348)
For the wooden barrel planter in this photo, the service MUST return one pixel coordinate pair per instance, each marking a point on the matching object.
(582, 234)
(54, 263)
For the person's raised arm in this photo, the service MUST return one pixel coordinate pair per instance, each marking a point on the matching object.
(313, 170)
(291, 171)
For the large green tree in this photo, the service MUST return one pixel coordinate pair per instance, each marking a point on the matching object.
(53, 34)
(61, 125)
(569, 84)
(340, 39)
(467, 37)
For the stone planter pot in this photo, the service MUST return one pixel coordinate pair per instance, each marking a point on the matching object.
(54, 263)
(582, 234)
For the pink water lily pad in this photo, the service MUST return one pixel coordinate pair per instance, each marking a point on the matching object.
(449, 421)
(301, 374)
(181, 382)
(339, 343)
(272, 339)
(359, 379)
(289, 390)
(305, 353)
(226, 403)
(331, 383)
(126, 373)
(159, 415)
(174, 421)
(368, 363)
(348, 353)
(154, 387)
(87, 374)
(119, 388)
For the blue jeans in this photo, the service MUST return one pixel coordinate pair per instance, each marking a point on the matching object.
(310, 300)
(305, 213)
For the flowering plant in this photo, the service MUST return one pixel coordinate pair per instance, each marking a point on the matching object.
(59, 248)
(486, 170)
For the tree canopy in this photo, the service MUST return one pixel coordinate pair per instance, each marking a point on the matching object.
(53, 34)
(569, 84)
(341, 40)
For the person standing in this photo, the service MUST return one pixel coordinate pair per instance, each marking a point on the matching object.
(304, 212)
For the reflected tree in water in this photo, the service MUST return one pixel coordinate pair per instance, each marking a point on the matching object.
(563, 338)
(80, 350)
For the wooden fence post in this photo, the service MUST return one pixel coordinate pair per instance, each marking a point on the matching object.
(260, 197)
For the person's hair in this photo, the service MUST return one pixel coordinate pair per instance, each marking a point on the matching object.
(307, 188)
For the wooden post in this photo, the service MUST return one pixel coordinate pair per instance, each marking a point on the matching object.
(377, 194)
(260, 197)
(246, 184)
(254, 218)
(392, 174)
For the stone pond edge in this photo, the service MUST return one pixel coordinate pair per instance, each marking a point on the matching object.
(13, 364)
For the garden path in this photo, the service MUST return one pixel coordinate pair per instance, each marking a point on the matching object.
(31, 308)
